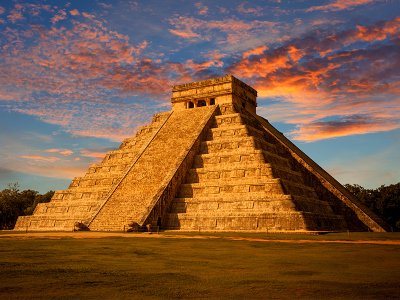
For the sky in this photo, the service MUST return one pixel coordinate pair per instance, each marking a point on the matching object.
(78, 77)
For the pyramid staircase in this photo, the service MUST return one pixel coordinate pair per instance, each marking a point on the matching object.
(241, 180)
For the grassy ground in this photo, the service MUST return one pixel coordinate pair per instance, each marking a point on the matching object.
(175, 267)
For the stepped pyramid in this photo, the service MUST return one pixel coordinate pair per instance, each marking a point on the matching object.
(209, 164)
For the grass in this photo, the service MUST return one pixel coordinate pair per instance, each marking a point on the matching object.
(148, 268)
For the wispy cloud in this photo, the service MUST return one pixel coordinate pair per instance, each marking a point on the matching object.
(64, 152)
(229, 31)
(245, 9)
(40, 158)
(338, 5)
(201, 8)
(93, 153)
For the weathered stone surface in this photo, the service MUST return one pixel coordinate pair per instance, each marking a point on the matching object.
(210, 164)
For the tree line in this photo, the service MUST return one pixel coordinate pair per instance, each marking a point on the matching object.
(14, 203)
(383, 201)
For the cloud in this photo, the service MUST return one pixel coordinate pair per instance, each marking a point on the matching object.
(94, 153)
(40, 158)
(229, 31)
(338, 5)
(350, 125)
(201, 8)
(64, 152)
(330, 75)
(74, 12)
(61, 15)
(2, 10)
(15, 14)
(257, 11)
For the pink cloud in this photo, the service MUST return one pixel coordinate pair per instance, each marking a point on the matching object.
(74, 12)
(234, 30)
(257, 11)
(254, 51)
(64, 152)
(338, 5)
(201, 8)
(61, 15)
(40, 158)
(358, 125)
(15, 15)
(93, 154)
(2, 10)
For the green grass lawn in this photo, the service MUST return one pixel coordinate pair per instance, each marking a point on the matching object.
(147, 268)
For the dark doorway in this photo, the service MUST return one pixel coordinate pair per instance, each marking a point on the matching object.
(201, 103)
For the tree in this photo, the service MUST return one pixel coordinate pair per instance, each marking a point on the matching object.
(14, 203)
(384, 201)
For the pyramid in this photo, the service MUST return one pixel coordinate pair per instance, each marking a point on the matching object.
(210, 164)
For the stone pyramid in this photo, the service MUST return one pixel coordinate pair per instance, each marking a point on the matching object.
(209, 164)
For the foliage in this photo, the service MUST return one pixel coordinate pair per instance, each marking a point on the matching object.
(14, 203)
(384, 201)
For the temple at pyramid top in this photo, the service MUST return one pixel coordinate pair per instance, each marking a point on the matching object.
(215, 91)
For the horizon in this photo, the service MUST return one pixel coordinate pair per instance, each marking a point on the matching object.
(78, 78)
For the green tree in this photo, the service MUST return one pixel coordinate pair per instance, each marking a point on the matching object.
(384, 201)
(14, 203)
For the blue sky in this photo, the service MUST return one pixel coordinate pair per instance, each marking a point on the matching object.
(77, 77)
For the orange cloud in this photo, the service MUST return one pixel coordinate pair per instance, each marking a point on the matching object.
(255, 51)
(326, 130)
(64, 152)
(74, 12)
(93, 154)
(202, 9)
(40, 158)
(61, 15)
(257, 11)
(337, 5)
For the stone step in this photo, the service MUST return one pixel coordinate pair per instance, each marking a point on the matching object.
(89, 189)
(240, 155)
(239, 169)
(102, 175)
(44, 223)
(276, 160)
(298, 189)
(228, 145)
(234, 143)
(260, 204)
(195, 206)
(83, 210)
(234, 130)
(272, 186)
(68, 195)
(293, 221)
(88, 182)
(269, 221)
(110, 167)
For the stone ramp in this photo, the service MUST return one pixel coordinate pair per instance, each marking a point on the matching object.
(143, 193)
